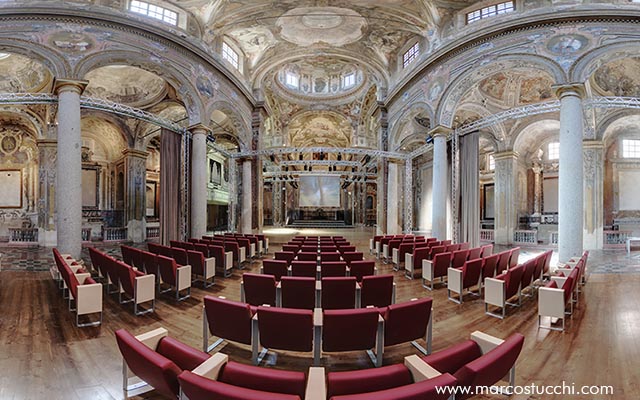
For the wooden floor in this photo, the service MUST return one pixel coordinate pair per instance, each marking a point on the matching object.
(44, 356)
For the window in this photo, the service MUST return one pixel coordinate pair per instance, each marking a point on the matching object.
(292, 80)
(411, 55)
(230, 55)
(553, 151)
(492, 162)
(490, 11)
(630, 148)
(349, 80)
(153, 11)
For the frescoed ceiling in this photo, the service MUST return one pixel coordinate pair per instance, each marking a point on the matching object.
(618, 78)
(19, 74)
(127, 85)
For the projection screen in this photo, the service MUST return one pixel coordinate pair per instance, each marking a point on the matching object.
(319, 191)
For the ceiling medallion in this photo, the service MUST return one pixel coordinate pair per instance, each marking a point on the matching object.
(335, 26)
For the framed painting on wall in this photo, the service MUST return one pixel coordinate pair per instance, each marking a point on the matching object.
(11, 184)
(90, 187)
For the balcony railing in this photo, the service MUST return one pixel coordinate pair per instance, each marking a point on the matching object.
(615, 239)
(113, 234)
(525, 236)
(153, 232)
(486, 235)
(23, 235)
(553, 238)
(86, 234)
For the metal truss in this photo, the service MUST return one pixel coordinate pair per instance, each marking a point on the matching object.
(613, 102)
(343, 150)
(321, 162)
(28, 98)
(292, 175)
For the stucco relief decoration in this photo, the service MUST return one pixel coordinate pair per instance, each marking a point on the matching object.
(334, 26)
(254, 41)
(619, 78)
(385, 43)
(567, 47)
(320, 130)
(16, 146)
(206, 83)
(535, 90)
(71, 42)
(125, 84)
(19, 74)
(494, 86)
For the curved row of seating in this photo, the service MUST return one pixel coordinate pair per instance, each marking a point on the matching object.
(328, 293)
(558, 298)
(436, 262)
(317, 330)
(280, 268)
(83, 293)
(154, 360)
(428, 251)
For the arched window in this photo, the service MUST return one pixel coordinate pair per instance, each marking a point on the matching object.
(490, 11)
(154, 11)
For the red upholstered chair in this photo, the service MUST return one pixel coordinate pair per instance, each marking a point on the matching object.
(515, 255)
(165, 251)
(224, 259)
(527, 277)
(487, 250)
(338, 293)
(180, 255)
(346, 249)
(351, 330)
(408, 322)
(328, 248)
(281, 329)
(445, 242)
(155, 359)
(330, 256)
(258, 289)
(555, 300)
(307, 256)
(137, 286)
(377, 291)
(503, 262)
(450, 248)
(333, 268)
(203, 267)
(226, 320)
(464, 246)
(127, 256)
(277, 268)
(154, 248)
(304, 268)
(178, 277)
(234, 248)
(399, 254)
(287, 256)
(537, 272)
(500, 289)
(474, 253)
(298, 292)
(436, 268)
(249, 248)
(413, 261)
(293, 248)
(362, 268)
(373, 244)
(489, 266)
(482, 361)
(465, 277)
(220, 378)
(393, 382)
(434, 250)
(458, 258)
(309, 249)
(387, 252)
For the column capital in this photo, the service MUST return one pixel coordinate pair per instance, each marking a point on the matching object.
(592, 145)
(506, 155)
(576, 89)
(135, 153)
(61, 85)
(199, 128)
(440, 130)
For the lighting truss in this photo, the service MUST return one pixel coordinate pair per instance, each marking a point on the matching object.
(28, 98)
(343, 150)
(313, 163)
(295, 174)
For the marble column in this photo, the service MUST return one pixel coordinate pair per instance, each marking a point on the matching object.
(505, 197)
(570, 176)
(440, 185)
(408, 196)
(393, 226)
(198, 180)
(247, 202)
(537, 189)
(135, 166)
(233, 195)
(46, 204)
(69, 166)
(382, 202)
(593, 194)
(277, 203)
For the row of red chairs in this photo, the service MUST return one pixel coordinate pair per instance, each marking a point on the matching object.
(83, 293)
(513, 280)
(416, 260)
(239, 248)
(280, 268)
(376, 243)
(317, 330)
(171, 367)
(559, 297)
(438, 266)
(253, 244)
(347, 256)
(307, 293)
(223, 259)
(131, 284)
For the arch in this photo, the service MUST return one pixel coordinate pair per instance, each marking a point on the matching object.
(497, 130)
(176, 79)
(471, 76)
(540, 125)
(38, 125)
(56, 63)
(397, 124)
(589, 62)
(117, 121)
(241, 126)
(606, 131)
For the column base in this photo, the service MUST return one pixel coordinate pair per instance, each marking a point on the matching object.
(137, 231)
(47, 238)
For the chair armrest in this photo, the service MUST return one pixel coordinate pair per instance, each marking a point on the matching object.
(183, 277)
(494, 291)
(427, 269)
(565, 271)
(82, 276)
(212, 366)
(486, 341)
(395, 256)
(551, 302)
(145, 288)
(317, 317)
(316, 384)
(228, 263)
(75, 268)
(454, 279)
(420, 370)
(89, 299)
(209, 267)
(559, 280)
(408, 262)
(151, 338)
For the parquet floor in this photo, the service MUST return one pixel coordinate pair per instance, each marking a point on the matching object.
(44, 356)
